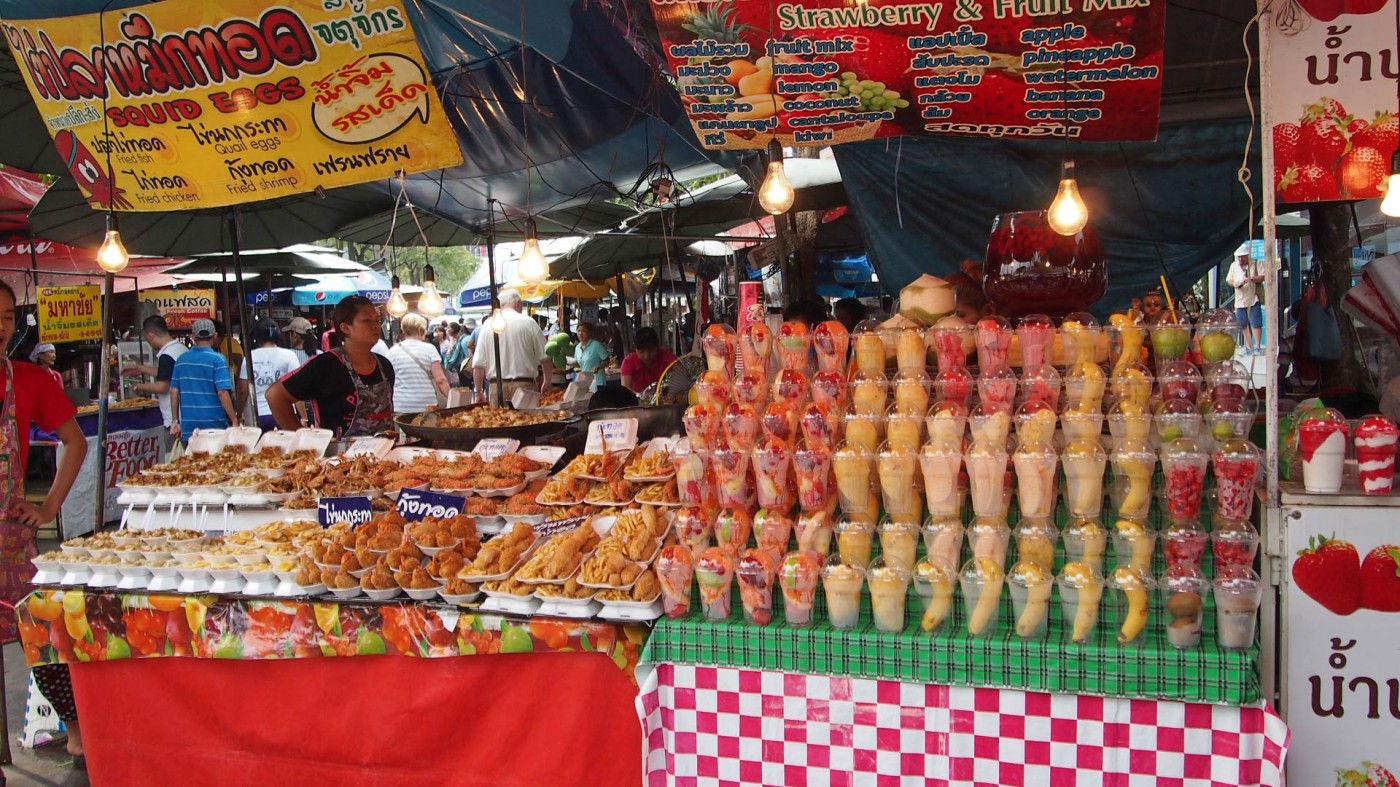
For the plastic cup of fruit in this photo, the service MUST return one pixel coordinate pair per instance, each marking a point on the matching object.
(1236, 463)
(854, 467)
(1117, 345)
(755, 572)
(951, 341)
(974, 580)
(899, 542)
(1079, 425)
(1219, 335)
(992, 336)
(702, 425)
(946, 422)
(841, 582)
(1322, 443)
(1183, 591)
(732, 477)
(1376, 439)
(943, 540)
(888, 582)
(1037, 335)
(996, 388)
(941, 464)
(988, 537)
(1035, 479)
(955, 385)
(1041, 384)
(1073, 589)
(714, 389)
(714, 572)
(675, 571)
(855, 540)
(1170, 341)
(1184, 473)
(904, 429)
(1084, 462)
(1178, 418)
(1238, 592)
(1085, 540)
(812, 467)
(1129, 604)
(911, 391)
(694, 475)
(986, 473)
(898, 469)
(868, 347)
(1035, 541)
(1131, 494)
(866, 430)
(829, 388)
(1184, 544)
(798, 575)
(1234, 545)
(1022, 580)
(931, 579)
(1178, 380)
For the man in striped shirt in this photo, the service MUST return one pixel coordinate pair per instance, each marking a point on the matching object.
(201, 390)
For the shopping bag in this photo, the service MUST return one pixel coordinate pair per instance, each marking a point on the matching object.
(17, 549)
(177, 450)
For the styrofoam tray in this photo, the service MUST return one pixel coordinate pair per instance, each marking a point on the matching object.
(586, 610)
(622, 611)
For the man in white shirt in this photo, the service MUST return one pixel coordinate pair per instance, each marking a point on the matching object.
(157, 335)
(271, 362)
(1245, 276)
(522, 354)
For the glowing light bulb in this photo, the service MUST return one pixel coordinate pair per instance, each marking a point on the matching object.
(111, 255)
(775, 193)
(430, 303)
(497, 322)
(1390, 206)
(397, 305)
(532, 268)
(1068, 214)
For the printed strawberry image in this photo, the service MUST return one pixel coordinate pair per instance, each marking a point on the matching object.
(1362, 172)
(1306, 183)
(1323, 129)
(1380, 579)
(1329, 572)
(1327, 10)
(1381, 133)
(1368, 775)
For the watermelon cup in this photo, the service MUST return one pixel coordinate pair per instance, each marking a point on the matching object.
(756, 344)
(1236, 463)
(829, 389)
(831, 340)
(955, 385)
(714, 570)
(993, 338)
(755, 571)
(798, 576)
(812, 465)
(718, 343)
(675, 571)
(794, 346)
(1184, 473)
(951, 339)
(751, 388)
(1040, 383)
(1037, 335)
(1322, 442)
(1376, 438)
(997, 387)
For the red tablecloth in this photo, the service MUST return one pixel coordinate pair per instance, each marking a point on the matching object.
(527, 720)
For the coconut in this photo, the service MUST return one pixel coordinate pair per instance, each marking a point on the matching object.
(926, 300)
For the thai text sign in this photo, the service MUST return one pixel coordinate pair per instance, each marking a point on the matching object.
(822, 72)
(181, 308)
(1329, 101)
(206, 104)
(70, 314)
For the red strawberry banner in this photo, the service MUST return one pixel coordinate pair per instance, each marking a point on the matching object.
(822, 72)
(1330, 99)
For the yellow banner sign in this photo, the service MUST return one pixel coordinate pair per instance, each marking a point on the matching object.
(70, 314)
(181, 308)
(199, 105)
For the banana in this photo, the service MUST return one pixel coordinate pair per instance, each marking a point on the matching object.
(1133, 587)
(1094, 543)
(1092, 393)
(1130, 336)
(1036, 549)
(984, 614)
(1084, 465)
(1039, 428)
(946, 549)
(1139, 542)
(1083, 341)
(1134, 387)
(1035, 483)
(942, 601)
(1086, 612)
(1038, 583)
(943, 428)
(1139, 494)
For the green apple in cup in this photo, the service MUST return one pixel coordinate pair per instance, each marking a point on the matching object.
(1217, 346)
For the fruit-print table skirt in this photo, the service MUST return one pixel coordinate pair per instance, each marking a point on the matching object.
(255, 702)
(731, 726)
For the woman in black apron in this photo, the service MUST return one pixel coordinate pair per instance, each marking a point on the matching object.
(351, 388)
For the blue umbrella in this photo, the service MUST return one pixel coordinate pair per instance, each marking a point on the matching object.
(331, 289)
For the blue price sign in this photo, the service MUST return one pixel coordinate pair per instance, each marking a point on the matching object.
(416, 504)
(355, 509)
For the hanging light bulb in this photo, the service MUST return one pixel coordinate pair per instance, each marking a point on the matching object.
(1390, 206)
(1068, 214)
(775, 194)
(532, 268)
(430, 303)
(497, 322)
(397, 305)
(111, 255)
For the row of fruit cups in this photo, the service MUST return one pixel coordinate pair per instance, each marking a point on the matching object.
(1238, 592)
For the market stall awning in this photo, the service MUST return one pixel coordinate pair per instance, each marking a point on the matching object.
(331, 289)
(571, 290)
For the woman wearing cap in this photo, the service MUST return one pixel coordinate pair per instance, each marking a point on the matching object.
(351, 388)
(301, 341)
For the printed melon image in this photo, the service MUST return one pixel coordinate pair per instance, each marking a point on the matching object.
(926, 300)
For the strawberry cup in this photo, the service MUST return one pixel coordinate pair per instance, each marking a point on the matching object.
(695, 526)
(955, 385)
(812, 465)
(755, 571)
(771, 460)
(1322, 442)
(1376, 438)
(993, 338)
(1235, 544)
(718, 344)
(732, 529)
(714, 389)
(751, 388)
(756, 346)
(941, 464)
(831, 340)
(740, 424)
(772, 529)
(714, 571)
(797, 576)
(702, 424)
(1236, 465)
(1184, 473)
(674, 572)
(842, 583)
(829, 389)
(794, 346)
(1037, 335)
(1238, 592)
(734, 484)
(1184, 590)
(951, 339)
(1040, 384)
(695, 483)
(1184, 544)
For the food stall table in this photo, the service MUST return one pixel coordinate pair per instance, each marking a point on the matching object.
(269, 711)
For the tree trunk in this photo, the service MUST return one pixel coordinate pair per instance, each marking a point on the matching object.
(1330, 227)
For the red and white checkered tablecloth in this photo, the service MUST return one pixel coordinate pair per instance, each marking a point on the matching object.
(725, 726)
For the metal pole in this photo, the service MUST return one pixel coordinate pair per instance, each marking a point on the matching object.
(495, 304)
(242, 323)
(103, 386)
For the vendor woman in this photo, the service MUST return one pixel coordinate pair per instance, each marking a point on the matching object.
(351, 388)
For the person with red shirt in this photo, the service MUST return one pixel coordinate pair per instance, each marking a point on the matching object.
(644, 366)
(32, 397)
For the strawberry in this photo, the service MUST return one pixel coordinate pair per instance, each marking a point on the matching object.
(1368, 775)
(1307, 183)
(1322, 135)
(1288, 140)
(1329, 572)
(1332, 107)
(1362, 172)
(1380, 579)
(1382, 133)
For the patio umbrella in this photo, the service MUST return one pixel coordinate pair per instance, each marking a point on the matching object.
(27, 141)
(331, 289)
(302, 259)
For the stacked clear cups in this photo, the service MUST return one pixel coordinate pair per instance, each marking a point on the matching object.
(869, 393)
(829, 388)
(854, 467)
(1037, 335)
(1035, 463)
(820, 425)
(751, 388)
(1133, 465)
(831, 340)
(842, 582)
(794, 346)
(911, 391)
(1132, 383)
(952, 341)
(741, 424)
(756, 570)
(996, 388)
(719, 342)
(798, 576)
(812, 466)
(1126, 337)
(695, 528)
(1177, 419)
(855, 540)
(695, 478)
(899, 542)
(888, 582)
(702, 425)
(1035, 541)
(1030, 584)
(771, 463)
(675, 571)
(734, 483)
(904, 428)
(1171, 337)
(756, 346)
(910, 350)
(1130, 603)
(1084, 462)
(941, 463)
(714, 388)
(1184, 590)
